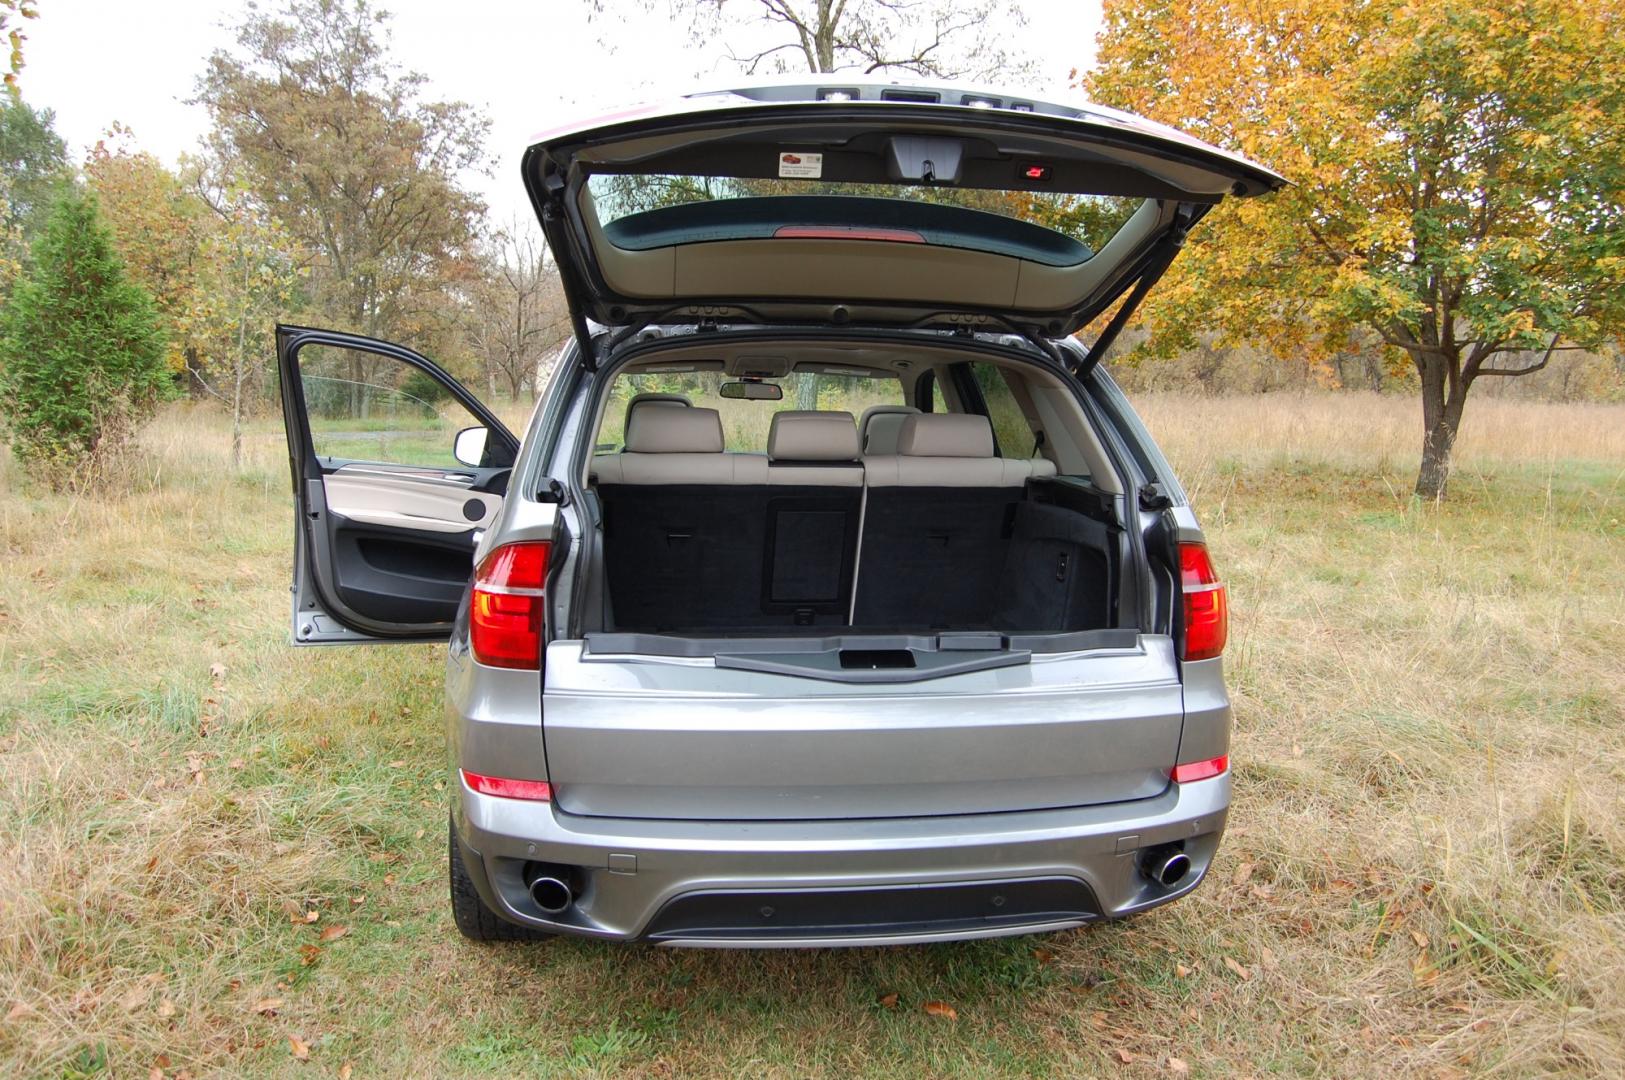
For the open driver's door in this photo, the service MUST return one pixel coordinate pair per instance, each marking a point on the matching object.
(396, 468)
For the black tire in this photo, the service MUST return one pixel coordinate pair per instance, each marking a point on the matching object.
(476, 921)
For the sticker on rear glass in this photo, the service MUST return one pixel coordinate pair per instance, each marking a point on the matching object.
(801, 166)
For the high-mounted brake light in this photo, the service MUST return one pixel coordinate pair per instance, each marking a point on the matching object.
(534, 790)
(846, 232)
(1199, 770)
(505, 614)
(1207, 612)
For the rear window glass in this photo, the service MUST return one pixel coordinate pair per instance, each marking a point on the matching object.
(745, 423)
(1090, 220)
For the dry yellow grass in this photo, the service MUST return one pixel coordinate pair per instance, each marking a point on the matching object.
(1425, 873)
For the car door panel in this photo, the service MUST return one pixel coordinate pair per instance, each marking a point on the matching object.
(383, 549)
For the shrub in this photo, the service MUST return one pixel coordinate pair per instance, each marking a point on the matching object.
(81, 348)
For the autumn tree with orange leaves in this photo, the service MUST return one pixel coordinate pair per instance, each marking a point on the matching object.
(1458, 172)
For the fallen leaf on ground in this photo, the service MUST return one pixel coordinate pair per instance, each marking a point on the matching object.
(889, 1001)
(217, 671)
(1243, 873)
(1124, 1056)
(135, 997)
(1043, 956)
(298, 1048)
(1266, 956)
(942, 1009)
(333, 933)
(166, 1008)
(267, 1006)
(1420, 938)
(1240, 970)
(309, 954)
(357, 901)
(312, 915)
(17, 1011)
(345, 1070)
(389, 879)
(397, 764)
(1182, 971)
(1178, 1066)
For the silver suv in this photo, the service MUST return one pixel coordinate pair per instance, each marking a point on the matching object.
(834, 593)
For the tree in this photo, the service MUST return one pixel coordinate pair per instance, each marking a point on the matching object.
(332, 140)
(519, 315)
(33, 173)
(1458, 173)
(160, 224)
(10, 12)
(936, 38)
(249, 277)
(81, 347)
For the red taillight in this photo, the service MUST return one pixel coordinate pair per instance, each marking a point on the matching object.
(534, 790)
(1206, 612)
(1199, 770)
(505, 615)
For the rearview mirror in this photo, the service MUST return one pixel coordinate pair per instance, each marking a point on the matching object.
(469, 446)
(752, 391)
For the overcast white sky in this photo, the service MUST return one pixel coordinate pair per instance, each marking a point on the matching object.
(529, 66)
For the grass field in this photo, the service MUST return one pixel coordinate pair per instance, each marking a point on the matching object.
(226, 857)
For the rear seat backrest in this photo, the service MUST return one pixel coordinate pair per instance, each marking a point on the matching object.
(938, 524)
(880, 426)
(666, 445)
(949, 450)
(813, 449)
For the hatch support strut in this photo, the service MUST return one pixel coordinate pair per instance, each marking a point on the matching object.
(1160, 258)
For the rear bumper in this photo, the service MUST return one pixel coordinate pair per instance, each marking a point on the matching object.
(699, 882)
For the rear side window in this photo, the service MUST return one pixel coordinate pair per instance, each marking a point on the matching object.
(1011, 431)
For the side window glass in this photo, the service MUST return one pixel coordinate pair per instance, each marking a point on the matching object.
(939, 404)
(366, 407)
(1010, 427)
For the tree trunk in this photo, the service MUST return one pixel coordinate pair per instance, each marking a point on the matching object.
(1442, 401)
(239, 376)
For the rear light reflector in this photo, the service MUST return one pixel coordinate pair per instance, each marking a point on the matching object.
(1199, 770)
(505, 613)
(1207, 614)
(533, 790)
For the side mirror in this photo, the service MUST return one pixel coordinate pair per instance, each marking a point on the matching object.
(752, 391)
(469, 446)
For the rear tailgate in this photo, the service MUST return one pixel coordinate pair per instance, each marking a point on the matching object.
(660, 737)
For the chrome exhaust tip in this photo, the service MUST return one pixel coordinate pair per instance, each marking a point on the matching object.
(1167, 866)
(552, 894)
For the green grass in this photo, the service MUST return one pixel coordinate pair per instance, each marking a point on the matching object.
(1423, 875)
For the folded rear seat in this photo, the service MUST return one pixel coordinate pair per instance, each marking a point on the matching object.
(938, 525)
(696, 539)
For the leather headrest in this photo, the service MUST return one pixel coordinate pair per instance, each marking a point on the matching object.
(651, 398)
(880, 426)
(963, 435)
(798, 435)
(674, 431)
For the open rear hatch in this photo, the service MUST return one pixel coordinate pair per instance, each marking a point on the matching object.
(870, 203)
